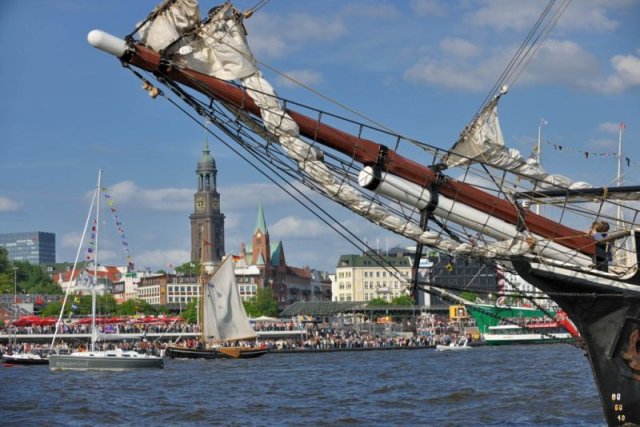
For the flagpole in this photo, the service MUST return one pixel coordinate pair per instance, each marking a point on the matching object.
(621, 252)
(539, 153)
(619, 217)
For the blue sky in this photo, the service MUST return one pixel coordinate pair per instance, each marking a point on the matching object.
(421, 68)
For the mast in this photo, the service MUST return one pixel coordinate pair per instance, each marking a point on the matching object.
(621, 253)
(539, 153)
(619, 214)
(202, 279)
(95, 266)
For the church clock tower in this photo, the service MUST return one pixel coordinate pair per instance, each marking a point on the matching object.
(207, 222)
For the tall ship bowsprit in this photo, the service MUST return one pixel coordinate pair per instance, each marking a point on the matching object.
(476, 198)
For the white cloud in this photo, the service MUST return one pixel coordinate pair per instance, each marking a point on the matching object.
(292, 226)
(458, 65)
(609, 127)
(162, 199)
(446, 73)
(8, 205)
(507, 15)
(585, 15)
(273, 36)
(459, 48)
(306, 77)
(160, 259)
(603, 144)
(428, 7)
(626, 74)
(71, 240)
(561, 61)
(589, 15)
(249, 195)
(385, 11)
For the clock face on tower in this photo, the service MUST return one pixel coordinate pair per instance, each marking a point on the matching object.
(215, 203)
(200, 203)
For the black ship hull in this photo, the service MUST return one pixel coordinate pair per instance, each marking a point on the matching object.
(216, 353)
(607, 314)
(23, 359)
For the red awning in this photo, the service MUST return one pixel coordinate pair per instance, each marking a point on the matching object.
(100, 320)
(27, 321)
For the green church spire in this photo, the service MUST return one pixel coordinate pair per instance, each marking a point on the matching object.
(261, 224)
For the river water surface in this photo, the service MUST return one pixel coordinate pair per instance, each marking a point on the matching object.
(517, 385)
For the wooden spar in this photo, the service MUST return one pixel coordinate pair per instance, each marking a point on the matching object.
(366, 152)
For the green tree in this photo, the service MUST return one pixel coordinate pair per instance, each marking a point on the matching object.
(189, 268)
(52, 309)
(134, 306)
(106, 305)
(33, 280)
(263, 304)
(161, 309)
(469, 296)
(82, 304)
(6, 273)
(5, 264)
(402, 300)
(376, 302)
(190, 313)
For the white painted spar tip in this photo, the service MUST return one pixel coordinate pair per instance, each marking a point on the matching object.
(107, 42)
(367, 176)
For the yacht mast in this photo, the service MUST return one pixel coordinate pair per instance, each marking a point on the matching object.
(539, 153)
(200, 314)
(94, 333)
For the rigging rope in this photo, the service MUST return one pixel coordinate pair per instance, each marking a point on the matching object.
(528, 48)
(281, 168)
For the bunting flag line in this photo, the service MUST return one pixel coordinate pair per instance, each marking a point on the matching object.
(123, 239)
(586, 154)
(92, 241)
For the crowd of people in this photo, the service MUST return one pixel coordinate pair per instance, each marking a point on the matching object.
(116, 328)
(312, 337)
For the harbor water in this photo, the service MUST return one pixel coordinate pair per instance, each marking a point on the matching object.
(517, 385)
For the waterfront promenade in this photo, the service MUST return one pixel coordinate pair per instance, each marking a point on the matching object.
(149, 336)
(278, 338)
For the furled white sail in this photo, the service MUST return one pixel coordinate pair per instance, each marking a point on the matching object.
(482, 141)
(173, 19)
(220, 47)
(224, 318)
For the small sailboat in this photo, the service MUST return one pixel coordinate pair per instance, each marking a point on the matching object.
(223, 321)
(24, 359)
(11, 359)
(117, 359)
(458, 345)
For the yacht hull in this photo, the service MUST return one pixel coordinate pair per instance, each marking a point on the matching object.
(234, 353)
(24, 359)
(87, 362)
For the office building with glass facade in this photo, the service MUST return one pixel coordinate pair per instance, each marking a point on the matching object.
(35, 247)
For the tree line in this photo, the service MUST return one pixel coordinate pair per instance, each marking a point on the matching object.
(31, 279)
